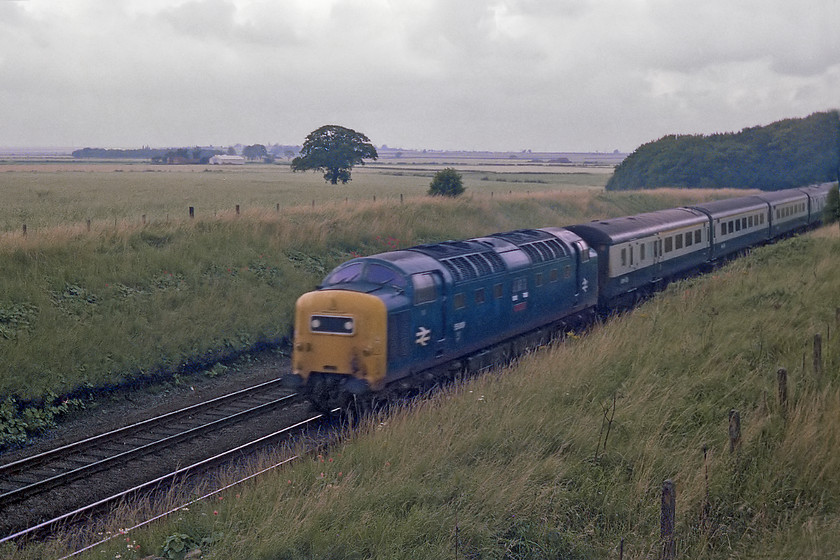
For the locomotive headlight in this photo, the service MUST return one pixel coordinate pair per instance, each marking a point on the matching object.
(332, 324)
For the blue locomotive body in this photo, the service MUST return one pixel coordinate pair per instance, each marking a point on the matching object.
(443, 303)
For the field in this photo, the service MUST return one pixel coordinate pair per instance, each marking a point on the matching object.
(85, 310)
(564, 454)
(62, 194)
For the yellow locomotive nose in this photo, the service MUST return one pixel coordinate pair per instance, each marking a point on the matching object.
(340, 333)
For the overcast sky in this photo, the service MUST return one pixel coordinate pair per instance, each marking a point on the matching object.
(557, 75)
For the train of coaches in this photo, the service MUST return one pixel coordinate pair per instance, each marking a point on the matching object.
(379, 321)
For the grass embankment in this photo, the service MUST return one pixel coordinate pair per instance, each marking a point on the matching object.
(518, 464)
(86, 309)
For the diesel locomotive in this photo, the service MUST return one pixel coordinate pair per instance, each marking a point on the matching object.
(390, 320)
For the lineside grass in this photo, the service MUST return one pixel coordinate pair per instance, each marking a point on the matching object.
(530, 461)
(92, 309)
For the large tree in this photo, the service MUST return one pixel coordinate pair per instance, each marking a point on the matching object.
(334, 150)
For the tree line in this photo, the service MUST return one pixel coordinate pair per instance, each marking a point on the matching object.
(785, 154)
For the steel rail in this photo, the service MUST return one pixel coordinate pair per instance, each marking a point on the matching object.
(203, 464)
(88, 467)
(29, 463)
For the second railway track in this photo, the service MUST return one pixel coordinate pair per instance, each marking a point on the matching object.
(36, 486)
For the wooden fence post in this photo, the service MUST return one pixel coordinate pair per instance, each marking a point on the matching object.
(88, 224)
(781, 377)
(237, 209)
(734, 430)
(666, 520)
(817, 356)
(24, 230)
(192, 212)
(143, 219)
(278, 206)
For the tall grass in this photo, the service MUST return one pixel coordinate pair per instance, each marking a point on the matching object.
(515, 464)
(87, 309)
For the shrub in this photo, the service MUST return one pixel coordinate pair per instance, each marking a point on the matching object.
(446, 182)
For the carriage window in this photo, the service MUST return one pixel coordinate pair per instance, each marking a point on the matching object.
(642, 252)
(698, 236)
(678, 242)
(479, 296)
(459, 301)
(624, 257)
(737, 225)
(689, 239)
(743, 223)
(750, 221)
(669, 244)
(497, 291)
(424, 288)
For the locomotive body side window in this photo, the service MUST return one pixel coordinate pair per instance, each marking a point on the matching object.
(479, 296)
(554, 275)
(459, 301)
(498, 291)
(538, 279)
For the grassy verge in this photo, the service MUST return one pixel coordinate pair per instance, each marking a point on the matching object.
(531, 462)
(81, 308)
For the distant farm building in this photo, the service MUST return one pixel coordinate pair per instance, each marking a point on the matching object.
(227, 160)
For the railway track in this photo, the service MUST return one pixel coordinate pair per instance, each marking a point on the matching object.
(112, 457)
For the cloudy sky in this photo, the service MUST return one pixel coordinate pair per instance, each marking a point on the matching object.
(559, 75)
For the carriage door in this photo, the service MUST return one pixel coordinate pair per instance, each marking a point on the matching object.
(429, 315)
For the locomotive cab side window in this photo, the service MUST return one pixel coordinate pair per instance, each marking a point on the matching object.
(583, 250)
(424, 288)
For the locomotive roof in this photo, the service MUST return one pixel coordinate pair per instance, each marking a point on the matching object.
(730, 206)
(483, 256)
(618, 230)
